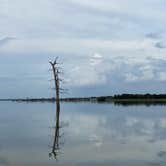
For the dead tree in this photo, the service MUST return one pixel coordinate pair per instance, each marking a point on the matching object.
(56, 79)
(55, 70)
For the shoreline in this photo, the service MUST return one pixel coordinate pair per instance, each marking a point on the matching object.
(123, 99)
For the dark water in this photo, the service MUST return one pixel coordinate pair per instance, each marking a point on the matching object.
(90, 134)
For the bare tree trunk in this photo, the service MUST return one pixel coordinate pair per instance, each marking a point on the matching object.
(57, 91)
(56, 82)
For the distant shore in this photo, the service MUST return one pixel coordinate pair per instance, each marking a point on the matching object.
(122, 99)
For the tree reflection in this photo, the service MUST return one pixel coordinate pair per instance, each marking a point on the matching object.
(56, 145)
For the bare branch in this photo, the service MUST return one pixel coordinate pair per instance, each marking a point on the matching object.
(55, 61)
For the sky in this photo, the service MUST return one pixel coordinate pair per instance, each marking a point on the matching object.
(104, 47)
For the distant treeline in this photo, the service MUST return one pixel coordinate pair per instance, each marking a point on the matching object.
(139, 99)
(73, 99)
(34, 99)
(53, 99)
(123, 99)
(140, 96)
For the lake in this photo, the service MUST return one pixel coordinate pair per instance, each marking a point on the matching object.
(90, 134)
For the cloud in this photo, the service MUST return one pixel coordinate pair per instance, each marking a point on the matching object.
(101, 42)
(85, 76)
(101, 69)
(147, 72)
(162, 76)
(96, 59)
(154, 35)
(5, 40)
(93, 71)
(76, 46)
(131, 77)
(79, 18)
(161, 45)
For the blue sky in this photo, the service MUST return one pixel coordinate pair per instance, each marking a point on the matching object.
(106, 47)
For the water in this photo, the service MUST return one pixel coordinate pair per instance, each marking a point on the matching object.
(91, 134)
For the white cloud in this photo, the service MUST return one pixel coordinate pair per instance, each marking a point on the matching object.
(5, 40)
(162, 76)
(149, 9)
(44, 18)
(146, 73)
(96, 59)
(131, 77)
(75, 46)
(85, 76)
(104, 39)
(101, 59)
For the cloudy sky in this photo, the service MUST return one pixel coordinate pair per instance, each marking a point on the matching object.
(106, 47)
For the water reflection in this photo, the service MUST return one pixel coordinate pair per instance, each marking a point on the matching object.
(99, 134)
(56, 145)
(141, 102)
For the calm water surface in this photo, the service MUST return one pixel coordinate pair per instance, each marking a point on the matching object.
(91, 134)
